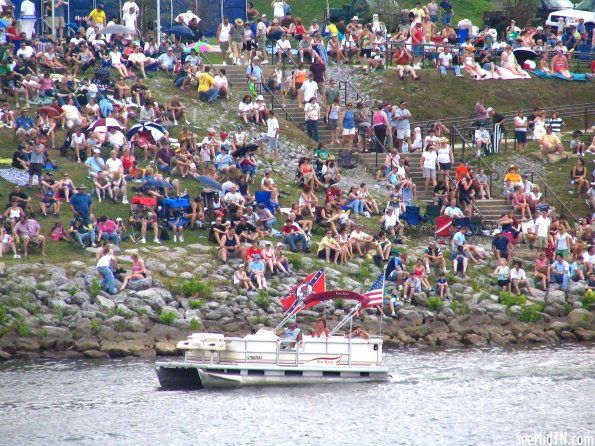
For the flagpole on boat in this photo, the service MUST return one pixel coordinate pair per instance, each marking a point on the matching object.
(382, 305)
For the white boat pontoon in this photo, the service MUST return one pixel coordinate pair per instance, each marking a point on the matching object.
(212, 360)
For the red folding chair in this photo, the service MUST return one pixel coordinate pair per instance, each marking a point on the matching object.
(444, 227)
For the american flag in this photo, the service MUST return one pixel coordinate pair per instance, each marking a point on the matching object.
(376, 292)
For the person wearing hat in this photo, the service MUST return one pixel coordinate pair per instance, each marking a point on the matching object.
(254, 70)
(261, 37)
(242, 279)
(168, 61)
(236, 41)
(25, 127)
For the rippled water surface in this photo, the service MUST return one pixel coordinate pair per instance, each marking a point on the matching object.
(466, 397)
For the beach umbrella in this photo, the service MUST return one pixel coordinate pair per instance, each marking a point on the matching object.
(209, 182)
(154, 131)
(238, 153)
(116, 29)
(180, 31)
(4, 23)
(51, 111)
(200, 47)
(104, 124)
(523, 54)
(187, 16)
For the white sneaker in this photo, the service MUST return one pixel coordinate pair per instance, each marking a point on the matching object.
(224, 64)
(16, 256)
(181, 238)
(157, 241)
(187, 122)
(175, 239)
(428, 269)
(143, 240)
(400, 287)
(124, 199)
(175, 122)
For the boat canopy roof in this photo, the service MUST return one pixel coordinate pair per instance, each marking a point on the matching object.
(316, 298)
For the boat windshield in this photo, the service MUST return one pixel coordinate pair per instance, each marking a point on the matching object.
(586, 5)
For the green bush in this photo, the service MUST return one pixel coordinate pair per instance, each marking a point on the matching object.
(256, 320)
(194, 325)
(95, 326)
(121, 325)
(459, 307)
(197, 304)
(195, 288)
(567, 308)
(509, 299)
(3, 315)
(588, 298)
(167, 317)
(20, 326)
(263, 301)
(435, 303)
(95, 288)
(73, 290)
(531, 313)
(295, 260)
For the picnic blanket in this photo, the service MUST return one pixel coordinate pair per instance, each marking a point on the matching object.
(575, 76)
(16, 176)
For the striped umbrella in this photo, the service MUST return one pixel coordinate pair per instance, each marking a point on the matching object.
(147, 129)
(104, 124)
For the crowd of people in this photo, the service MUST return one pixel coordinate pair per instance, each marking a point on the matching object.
(150, 171)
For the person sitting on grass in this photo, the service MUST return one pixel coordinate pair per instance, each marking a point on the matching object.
(139, 271)
(434, 257)
(57, 233)
(28, 230)
(502, 247)
(8, 244)
(459, 240)
(230, 245)
(293, 234)
(442, 290)
(49, 203)
(360, 239)
(329, 246)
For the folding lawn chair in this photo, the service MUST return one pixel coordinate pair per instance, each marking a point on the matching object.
(444, 226)
(265, 198)
(412, 217)
(407, 196)
(347, 160)
(432, 212)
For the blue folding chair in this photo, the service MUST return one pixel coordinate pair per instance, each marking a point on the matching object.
(407, 196)
(265, 198)
(412, 217)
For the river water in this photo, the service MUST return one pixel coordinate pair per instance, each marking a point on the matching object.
(462, 397)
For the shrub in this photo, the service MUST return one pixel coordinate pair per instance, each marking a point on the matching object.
(509, 299)
(95, 326)
(567, 308)
(197, 304)
(73, 290)
(95, 288)
(256, 320)
(167, 317)
(121, 325)
(435, 303)
(3, 315)
(194, 324)
(588, 299)
(60, 313)
(531, 313)
(20, 326)
(459, 307)
(295, 260)
(263, 301)
(195, 288)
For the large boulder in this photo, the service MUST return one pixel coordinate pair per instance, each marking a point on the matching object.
(580, 317)
(140, 284)
(556, 296)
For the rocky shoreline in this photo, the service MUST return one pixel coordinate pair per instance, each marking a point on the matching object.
(58, 312)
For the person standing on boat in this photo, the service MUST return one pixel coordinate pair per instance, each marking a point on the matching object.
(321, 331)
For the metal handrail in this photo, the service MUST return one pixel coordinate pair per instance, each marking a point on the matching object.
(261, 87)
(585, 109)
(476, 210)
(204, 55)
(563, 208)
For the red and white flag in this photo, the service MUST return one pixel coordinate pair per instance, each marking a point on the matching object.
(376, 292)
(294, 299)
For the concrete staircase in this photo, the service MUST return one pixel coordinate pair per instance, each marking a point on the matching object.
(490, 209)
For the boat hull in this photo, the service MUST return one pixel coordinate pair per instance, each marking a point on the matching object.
(187, 375)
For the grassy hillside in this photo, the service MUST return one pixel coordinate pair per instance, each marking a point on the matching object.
(434, 97)
(309, 9)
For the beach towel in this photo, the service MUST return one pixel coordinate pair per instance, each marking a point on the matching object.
(575, 76)
(18, 177)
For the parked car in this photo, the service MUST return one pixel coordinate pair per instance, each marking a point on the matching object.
(584, 10)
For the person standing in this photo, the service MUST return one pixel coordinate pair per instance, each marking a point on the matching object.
(98, 16)
(223, 36)
(272, 136)
(36, 162)
(312, 115)
(318, 70)
(236, 41)
(520, 130)
(402, 116)
(60, 7)
(27, 18)
(105, 268)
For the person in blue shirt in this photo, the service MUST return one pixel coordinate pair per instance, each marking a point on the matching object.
(577, 269)
(81, 205)
(395, 271)
(460, 259)
(560, 271)
(224, 162)
(459, 240)
(501, 247)
(290, 334)
(25, 126)
(441, 285)
(257, 269)
(95, 164)
(447, 11)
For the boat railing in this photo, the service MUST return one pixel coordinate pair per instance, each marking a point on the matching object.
(285, 348)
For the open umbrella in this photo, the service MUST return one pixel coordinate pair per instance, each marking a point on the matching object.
(199, 46)
(180, 31)
(186, 17)
(51, 111)
(116, 29)
(104, 124)
(154, 131)
(209, 182)
(4, 23)
(523, 54)
(238, 153)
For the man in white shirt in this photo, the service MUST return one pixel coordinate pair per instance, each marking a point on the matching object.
(283, 47)
(271, 139)
(359, 238)
(309, 88)
(233, 199)
(445, 63)
(391, 224)
(131, 4)
(542, 229)
(129, 19)
(115, 138)
(27, 18)
(482, 139)
(25, 51)
(312, 115)
(518, 279)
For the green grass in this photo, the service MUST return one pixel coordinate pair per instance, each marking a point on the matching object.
(196, 288)
(167, 318)
(456, 96)
(3, 315)
(95, 326)
(509, 299)
(263, 301)
(435, 303)
(587, 300)
(194, 325)
(197, 304)
(531, 313)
